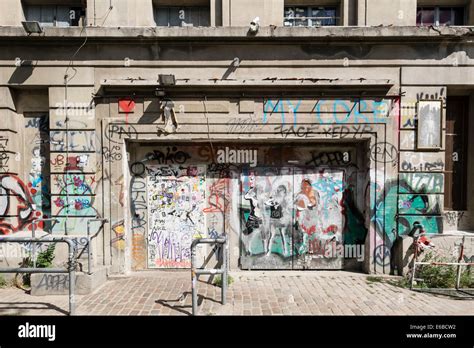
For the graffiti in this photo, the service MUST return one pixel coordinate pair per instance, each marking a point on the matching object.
(384, 152)
(419, 204)
(337, 111)
(218, 197)
(54, 282)
(11, 187)
(111, 155)
(175, 216)
(339, 132)
(72, 140)
(271, 200)
(172, 156)
(74, 184)
(382, 255)
(299, 132)
(453, 218)
(241, 125)
(423, 167)
(328, 158)
(137, 168)
(118, 242)
(117, 132)
(126, 106)
(435, 96)
(422, 183)
(4, 159)
(3, 143)
(138, 204)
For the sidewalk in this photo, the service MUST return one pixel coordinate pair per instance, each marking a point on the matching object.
(252, 293)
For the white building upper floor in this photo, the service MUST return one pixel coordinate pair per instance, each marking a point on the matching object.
(237, 13)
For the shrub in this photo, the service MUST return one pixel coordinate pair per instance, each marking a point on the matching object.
(218, 280)
(43, 260)
(441, 276)
(3, 282)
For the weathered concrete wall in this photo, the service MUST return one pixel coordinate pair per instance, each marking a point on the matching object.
(112, 117)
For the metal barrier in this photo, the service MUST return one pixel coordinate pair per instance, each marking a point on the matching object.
(89, 239)
(71, 267)
(195, 273)
(460, 264)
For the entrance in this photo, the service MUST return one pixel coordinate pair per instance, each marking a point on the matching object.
(292, 218)
(175, 211)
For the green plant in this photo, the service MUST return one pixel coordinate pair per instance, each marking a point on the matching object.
(441, 276)
(43, 260)
(3, 282)
(218, 280)
(374, 279)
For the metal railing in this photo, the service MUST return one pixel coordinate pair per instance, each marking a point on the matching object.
(196, 272)
(89, 240)
(71, 265)
(460, 258)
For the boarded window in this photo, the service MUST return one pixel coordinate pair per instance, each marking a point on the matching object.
(457, 112)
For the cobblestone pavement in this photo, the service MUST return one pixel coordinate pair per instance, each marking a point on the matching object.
(252, 293)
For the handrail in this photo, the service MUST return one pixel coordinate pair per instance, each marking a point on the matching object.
(89, 238)
(71, 266)
(196, 272)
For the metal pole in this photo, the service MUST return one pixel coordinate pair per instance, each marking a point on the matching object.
(72, 276)
(70, 269)
(461, 255)
(224, 275)
(415, 258)
(193, 276)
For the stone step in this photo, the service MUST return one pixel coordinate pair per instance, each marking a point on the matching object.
(43, 284)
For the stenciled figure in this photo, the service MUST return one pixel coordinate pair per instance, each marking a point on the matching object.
(254, 221)
(280, 218)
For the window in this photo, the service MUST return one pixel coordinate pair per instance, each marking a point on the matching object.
(53, 15)
(455, 175)
(439, 16)
(299, 16)
(182, 16)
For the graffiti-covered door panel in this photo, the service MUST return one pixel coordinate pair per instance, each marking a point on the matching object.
(267, 218)
(319, 221)
(175, 204)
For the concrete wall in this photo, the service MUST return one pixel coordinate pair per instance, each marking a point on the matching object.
(91, 155)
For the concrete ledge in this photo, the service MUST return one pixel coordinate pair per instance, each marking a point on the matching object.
(58, 283)
(270, 32)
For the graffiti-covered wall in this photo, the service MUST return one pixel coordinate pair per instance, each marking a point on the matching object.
(287, 179)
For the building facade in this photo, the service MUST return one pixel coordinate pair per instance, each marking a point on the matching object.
(311, 133)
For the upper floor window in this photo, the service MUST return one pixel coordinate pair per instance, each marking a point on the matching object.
(310, 16)
(182, 16)
(439, 16)
(55, 15)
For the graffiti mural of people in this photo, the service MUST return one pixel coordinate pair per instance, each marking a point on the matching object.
(254, 220)
(280, 218)
(306, 203)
